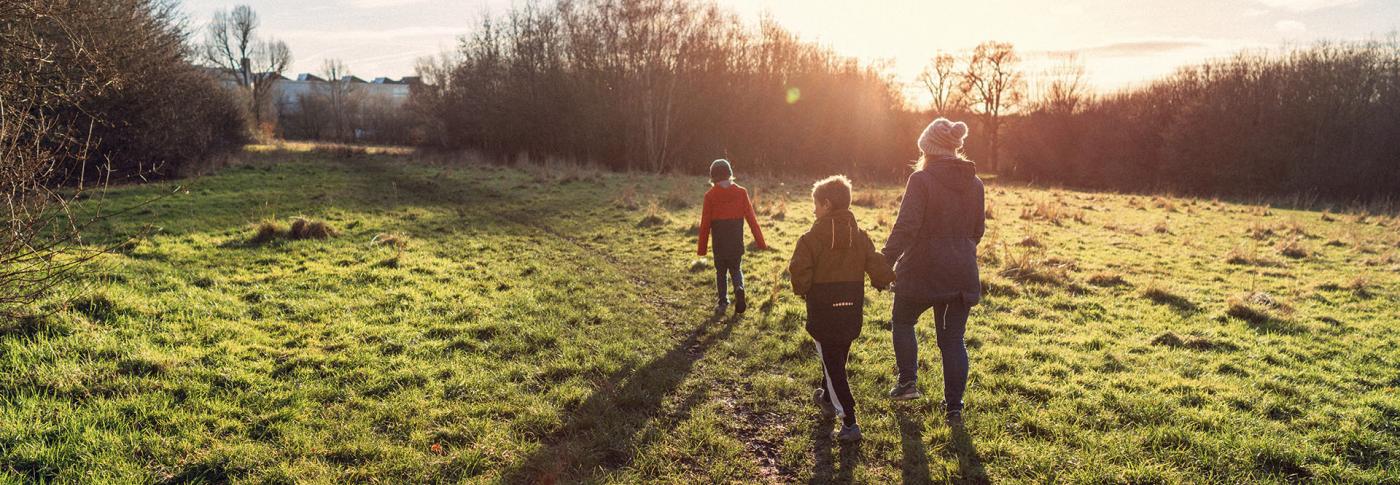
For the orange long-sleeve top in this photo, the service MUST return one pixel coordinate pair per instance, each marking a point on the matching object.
(730, 202)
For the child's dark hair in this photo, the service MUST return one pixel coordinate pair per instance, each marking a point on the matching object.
(720, 170)
(835, 189)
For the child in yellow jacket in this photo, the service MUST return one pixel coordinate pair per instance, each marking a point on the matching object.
(828, 270)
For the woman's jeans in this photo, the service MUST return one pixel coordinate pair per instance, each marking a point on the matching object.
(951, 321)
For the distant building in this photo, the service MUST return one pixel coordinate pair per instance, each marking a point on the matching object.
(371, 110)
(288, 92)
(394, 93)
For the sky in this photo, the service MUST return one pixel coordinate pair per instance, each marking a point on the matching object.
(1121, 42)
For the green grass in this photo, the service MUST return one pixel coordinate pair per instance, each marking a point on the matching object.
(537, 324)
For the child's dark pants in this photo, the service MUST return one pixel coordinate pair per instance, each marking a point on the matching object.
(834, 383)
(729, 266)
(834, 315)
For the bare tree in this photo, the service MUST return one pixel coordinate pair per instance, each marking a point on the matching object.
(339, 94)
(995, 82)
(945, 85)
(1063, 87)
(232, 44)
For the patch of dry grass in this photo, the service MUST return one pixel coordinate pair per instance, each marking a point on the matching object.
(867, 199)
(1259, 230)
(1052, 211)
(390, 240)
(1163, 295)
(779, 211)
(265, 232)
(1030, 266)
(303, 228)
(1293, 227)
(1193, 342)
(678, 198)
(628, 199)
(1293, 247)
(1257, 307)
(1107, 279)
(653, 216)
(1244, 254)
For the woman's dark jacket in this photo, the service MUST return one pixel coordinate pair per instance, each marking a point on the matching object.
(933, 245)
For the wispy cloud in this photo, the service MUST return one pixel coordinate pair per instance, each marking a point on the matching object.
(1307, 5)
(362, 35)
(1142, 48)
(383, 3)
(1291, 27)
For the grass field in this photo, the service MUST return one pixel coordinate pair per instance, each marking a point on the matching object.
(467, 322)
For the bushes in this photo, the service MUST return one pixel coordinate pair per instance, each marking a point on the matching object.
(1235, 126)
(115, 75)
(195, 122)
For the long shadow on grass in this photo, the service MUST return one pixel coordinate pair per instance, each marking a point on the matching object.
(601, 433)
(911, 435)
(969, 460)
(825, 470)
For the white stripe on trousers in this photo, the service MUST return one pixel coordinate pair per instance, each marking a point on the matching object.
(830, 390)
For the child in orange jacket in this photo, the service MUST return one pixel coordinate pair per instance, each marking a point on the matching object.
(726, 208)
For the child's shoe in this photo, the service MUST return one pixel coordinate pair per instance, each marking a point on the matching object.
(741, 304)
(848, 433)
(720, 309)
(828, 411)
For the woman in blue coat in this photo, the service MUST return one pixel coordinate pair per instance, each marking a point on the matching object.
(933, 248)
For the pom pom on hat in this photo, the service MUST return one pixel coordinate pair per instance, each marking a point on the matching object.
(943, 135)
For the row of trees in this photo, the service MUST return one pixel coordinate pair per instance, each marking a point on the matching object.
(1320, 120)
(670, 84)
(663, 85)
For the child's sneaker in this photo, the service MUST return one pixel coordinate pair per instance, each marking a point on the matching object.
(720, 309)
(828, 411)
(848, 433)
(741, 304)
(906, 391)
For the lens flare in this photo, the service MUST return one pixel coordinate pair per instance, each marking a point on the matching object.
(794, 95)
